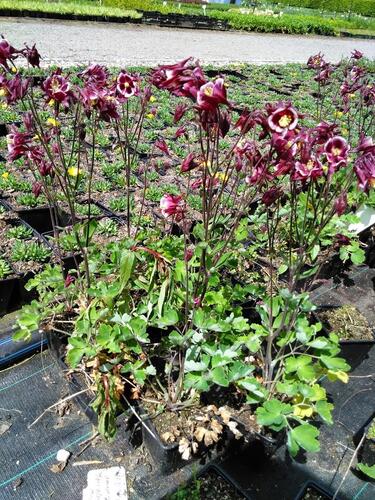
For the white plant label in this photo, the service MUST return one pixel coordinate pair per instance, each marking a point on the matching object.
(366, 217)
(106, 484)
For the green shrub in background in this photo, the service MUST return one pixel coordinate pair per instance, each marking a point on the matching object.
(363, 7)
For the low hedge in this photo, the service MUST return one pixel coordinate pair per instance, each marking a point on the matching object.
(363, 7)
(285, 24)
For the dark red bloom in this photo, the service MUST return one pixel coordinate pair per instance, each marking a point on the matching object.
(336, 150)
(179, 132)
(28, 121)
(69, 280)
(189, 163)
(45, 168)
(162, 145)
(95, 75)
(179, 112)
(57, 88)
(271, 195)
(283, 118)
(16, 89)
(37, 189)
(224, 123)
(189, 252)
(317, 61)
(19, 144)
(324, 75)
(341, 204)
(181, 79)
(172, 205)
(324, 131)
(126, 85)
(211, 95)
(365, 171)
(285, 144)
(341, 240)
(32, 56)
(304, 171)
(7, 53)
(366, 145)
(356, 54)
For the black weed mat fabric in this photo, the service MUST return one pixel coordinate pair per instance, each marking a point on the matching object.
(28, 453)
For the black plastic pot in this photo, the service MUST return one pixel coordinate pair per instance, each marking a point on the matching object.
(57, 346)
(38, 218)
(7, 286)
(354, 351)
(316, 488)
(366, 454)
(167, 456)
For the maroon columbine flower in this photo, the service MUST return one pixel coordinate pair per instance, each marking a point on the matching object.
(179, 112)
(271, 195)
(366, 145)
(189, 163)
(19, 144)
(57, 88)
(324, 131)
(16, 89)
(197, 301)
(189, 252)
(126, 85)
(304, 171)
(341, 204)
(32, 56)
(179, 132)
(324, 75)
(285, 144)
(45, 168)
(28, 121)
(336, 150)
(181, 79)
(283, 118)
(69, 280)
(365, 171)
(162, 145)
(316, 61)
(211, 95)
(172, 205)
(341, 240)
(95, 75)
(357, 54)
(7, 53)
(224, 123)
(37, 189)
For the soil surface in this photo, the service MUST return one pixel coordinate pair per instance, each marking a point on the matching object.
(348, 322)
(209, 486)
(313, 494)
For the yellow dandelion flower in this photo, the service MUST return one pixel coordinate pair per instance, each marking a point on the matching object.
(73, 171)
(151, 116)
(5, 175)
(53, 122)
(152, 98)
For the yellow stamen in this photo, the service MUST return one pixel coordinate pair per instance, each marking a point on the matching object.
(285, 120)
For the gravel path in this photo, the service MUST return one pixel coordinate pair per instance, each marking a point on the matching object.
(72, 42)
